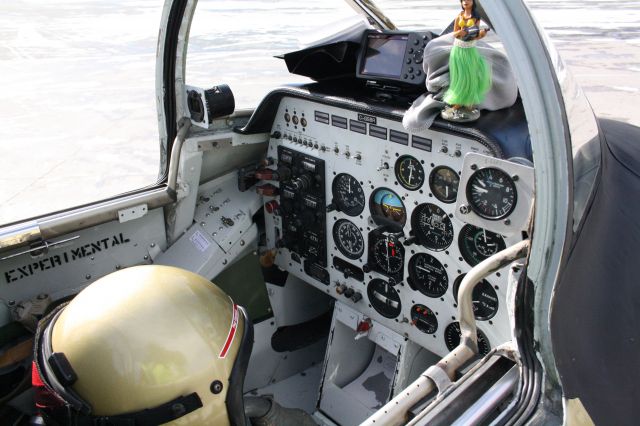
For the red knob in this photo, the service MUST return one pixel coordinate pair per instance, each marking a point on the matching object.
(272, 207)
(268, 190)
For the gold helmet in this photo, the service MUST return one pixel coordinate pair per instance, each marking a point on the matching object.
(146, 345)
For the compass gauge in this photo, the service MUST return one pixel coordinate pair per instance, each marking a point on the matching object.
(348, 239)
(388, 254)
(491, 193)
(484, 299)
(452, 335)
(444, 182)
(432, 227)
(477, 244)
(348, 195)
(409, 172)
(427, 275)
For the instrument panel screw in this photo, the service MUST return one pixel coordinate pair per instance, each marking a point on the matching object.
(507, 222)
(515, 178)
(474, 167)
(464, 209)
(88, 277)
(216, 387)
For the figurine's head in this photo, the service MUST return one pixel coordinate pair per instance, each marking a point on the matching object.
(465, 4)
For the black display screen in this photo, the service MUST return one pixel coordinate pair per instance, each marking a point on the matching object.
(384, 55)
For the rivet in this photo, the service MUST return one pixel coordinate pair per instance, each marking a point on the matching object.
(88, 277)
(203, 224)
(146, 257)
(118, 267)
(216, 387)
(242, 243)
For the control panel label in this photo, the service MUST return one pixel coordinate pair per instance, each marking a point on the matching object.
(367, 119)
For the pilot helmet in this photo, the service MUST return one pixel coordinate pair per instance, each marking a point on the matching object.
(146, 345)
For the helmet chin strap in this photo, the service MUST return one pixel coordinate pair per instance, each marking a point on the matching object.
(58, 376)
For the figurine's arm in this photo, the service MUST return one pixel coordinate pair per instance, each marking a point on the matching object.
(482, 32)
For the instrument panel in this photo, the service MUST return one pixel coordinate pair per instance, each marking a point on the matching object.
(396, 246)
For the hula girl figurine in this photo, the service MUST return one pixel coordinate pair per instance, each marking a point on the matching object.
(469, 73)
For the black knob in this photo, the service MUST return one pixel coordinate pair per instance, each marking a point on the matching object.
(302, 182)
(284, 173)
(276, 135)
(409, 242)
(356, 297)
(349, 292)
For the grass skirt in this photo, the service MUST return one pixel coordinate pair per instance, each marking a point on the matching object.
(470, 76)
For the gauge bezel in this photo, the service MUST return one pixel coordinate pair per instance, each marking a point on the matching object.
(477, 289)
(422, 236)
(477, 210)
(419, 325)
(399, 256)
(374, 302)
(435, 193)
(337, 196)
(338, 241)
(420, 285)
(463, 247)
(383, 220)
(484, 346)
(383, 235)
(398, 172)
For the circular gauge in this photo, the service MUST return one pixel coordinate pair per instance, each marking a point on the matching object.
(443, 182)
(387, 208)
(428, 275)
(348, 195)
(484, 299)
(409, 172)
(384, 298)
(491, 193)
(477, 244)
(348, 239)
(452, 336)
(388, 254)
(424, 319)
(432, 227)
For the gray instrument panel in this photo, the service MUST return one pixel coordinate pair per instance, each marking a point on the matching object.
(395, 247)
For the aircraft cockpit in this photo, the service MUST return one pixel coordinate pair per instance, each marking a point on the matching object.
(349, 249)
